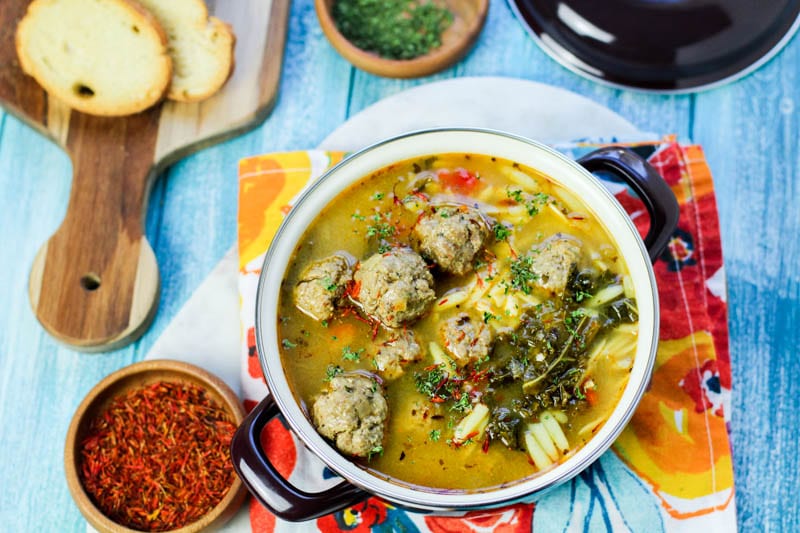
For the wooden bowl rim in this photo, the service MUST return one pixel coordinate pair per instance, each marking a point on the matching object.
(104, 391)
(434, 61)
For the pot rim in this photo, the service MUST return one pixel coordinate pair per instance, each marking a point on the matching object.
(358, 166)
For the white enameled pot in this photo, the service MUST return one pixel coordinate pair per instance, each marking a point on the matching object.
(292, 503)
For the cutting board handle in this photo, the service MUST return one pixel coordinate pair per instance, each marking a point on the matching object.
(94, 285)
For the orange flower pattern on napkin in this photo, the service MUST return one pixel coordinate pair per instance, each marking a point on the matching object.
(671, 468)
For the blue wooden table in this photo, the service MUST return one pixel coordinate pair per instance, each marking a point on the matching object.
(750, 131)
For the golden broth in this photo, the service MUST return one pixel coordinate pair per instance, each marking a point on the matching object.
(418, 447)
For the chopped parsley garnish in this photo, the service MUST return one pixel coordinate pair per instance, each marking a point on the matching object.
(435, 383)
(578, 391)
(377, 450)
(538, 200)
(286, 343)
(439, 387)
(356, 216)
(381, 229)
(435, 435)
(487, 316)
(532, 204)
(328, 283)
(332, 371)
(349, 355)
(462, 404)
(515, 194)
(582, 295)
(522, 273)
(377, 196)
(574, 316)
(501, 232)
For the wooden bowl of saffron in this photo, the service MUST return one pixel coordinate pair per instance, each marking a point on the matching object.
(468, 17)
(140, 401)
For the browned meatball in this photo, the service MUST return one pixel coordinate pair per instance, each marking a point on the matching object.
(553, 260)
(451, 237)
(322, 285)
(394, 287)
(468, 340)
(351, 412)
(401, 348)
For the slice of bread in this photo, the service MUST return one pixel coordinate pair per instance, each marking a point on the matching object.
(201, 47)
(102, 57)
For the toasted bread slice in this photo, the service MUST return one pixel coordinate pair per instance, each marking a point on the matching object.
(201, 47)
(102, 57)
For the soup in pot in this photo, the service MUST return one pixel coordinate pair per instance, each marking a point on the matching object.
(457, 321)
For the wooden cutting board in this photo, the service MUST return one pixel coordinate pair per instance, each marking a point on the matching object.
(94, 285)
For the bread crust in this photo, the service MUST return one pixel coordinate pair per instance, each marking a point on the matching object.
(194, 15)
(142, 19)
(151, 19)
(221, 79)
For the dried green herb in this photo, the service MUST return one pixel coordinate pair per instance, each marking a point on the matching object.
(394, 29)
(501, 232)
(349, 354)
(522, 274)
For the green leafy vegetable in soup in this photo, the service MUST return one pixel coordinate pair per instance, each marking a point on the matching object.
(462, 315)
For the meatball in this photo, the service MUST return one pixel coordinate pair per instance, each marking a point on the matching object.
(401, 348)
(351, 412)
(466, 339)
(451, 237)
(553, 260)
(322, 285)
(394, 287)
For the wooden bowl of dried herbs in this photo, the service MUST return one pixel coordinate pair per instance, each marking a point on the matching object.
(148, 449)
(402, 38)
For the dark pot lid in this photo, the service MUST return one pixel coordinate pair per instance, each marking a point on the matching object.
(661, 45)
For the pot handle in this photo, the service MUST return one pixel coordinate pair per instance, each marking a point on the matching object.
(269, 487)
(658, 198)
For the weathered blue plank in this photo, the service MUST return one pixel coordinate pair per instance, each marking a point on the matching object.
(41, 384)
(751, 135)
